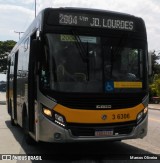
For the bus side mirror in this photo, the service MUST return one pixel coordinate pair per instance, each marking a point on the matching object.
(149, 63)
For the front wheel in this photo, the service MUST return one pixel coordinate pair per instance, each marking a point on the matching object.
(28, 139)
(12, 119)
(156, 102)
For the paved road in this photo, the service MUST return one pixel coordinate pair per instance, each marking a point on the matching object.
(12, 142)
(2, 98)
(154, 106)
(152, 141)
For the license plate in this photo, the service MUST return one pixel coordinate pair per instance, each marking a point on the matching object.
(103, 133)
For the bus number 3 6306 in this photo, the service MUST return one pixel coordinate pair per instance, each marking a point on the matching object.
(120, 116)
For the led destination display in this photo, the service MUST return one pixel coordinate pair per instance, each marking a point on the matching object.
(97, 21)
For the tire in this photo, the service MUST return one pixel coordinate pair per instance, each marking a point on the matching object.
(28, 139)
(12, 120)
(156, 102)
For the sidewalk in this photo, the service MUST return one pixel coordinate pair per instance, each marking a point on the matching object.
(2, 98)
(154, 106)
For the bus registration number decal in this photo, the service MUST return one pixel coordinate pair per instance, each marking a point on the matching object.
(120, 116)
(102, 133)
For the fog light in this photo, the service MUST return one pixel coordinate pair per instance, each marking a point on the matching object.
(47, 112)
(57, 136)
(142, 131)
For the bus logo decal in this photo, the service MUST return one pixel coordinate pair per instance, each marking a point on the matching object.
(103, 106)
(104, 117)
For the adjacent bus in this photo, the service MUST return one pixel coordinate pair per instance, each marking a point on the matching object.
(80, 75)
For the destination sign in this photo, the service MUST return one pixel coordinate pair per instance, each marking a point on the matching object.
(85, 20)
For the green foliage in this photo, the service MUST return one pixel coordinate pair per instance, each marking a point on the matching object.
(5, 48)
(155, 86)
(155, 64)
(155, 78)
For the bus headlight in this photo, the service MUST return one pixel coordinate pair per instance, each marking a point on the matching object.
(142, 114)
(145, 110)
(54, 116)
(59, 119)
(47, 112)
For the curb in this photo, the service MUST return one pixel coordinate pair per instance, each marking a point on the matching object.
(153, 106)
(2, 102)
(153, 109)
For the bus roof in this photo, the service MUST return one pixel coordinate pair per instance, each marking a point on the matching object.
(44, 14)
(90, 9)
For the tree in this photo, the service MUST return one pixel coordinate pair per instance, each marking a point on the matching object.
(5, 48)
(155, 86)
(155, 64)
(155, 80)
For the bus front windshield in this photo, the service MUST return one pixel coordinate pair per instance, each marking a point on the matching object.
(92, 64)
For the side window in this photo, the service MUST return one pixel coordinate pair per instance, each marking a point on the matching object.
(9, 67)
(12, 67)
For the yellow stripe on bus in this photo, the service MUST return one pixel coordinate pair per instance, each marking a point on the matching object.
(127, 84)
(98, 116)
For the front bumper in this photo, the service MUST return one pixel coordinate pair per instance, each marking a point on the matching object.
(51, 132)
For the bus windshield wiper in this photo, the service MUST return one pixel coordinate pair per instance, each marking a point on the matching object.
(82, 51)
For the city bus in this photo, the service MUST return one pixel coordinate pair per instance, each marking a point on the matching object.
(80, 75)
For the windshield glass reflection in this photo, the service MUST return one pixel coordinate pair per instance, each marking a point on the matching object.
(89, 63)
